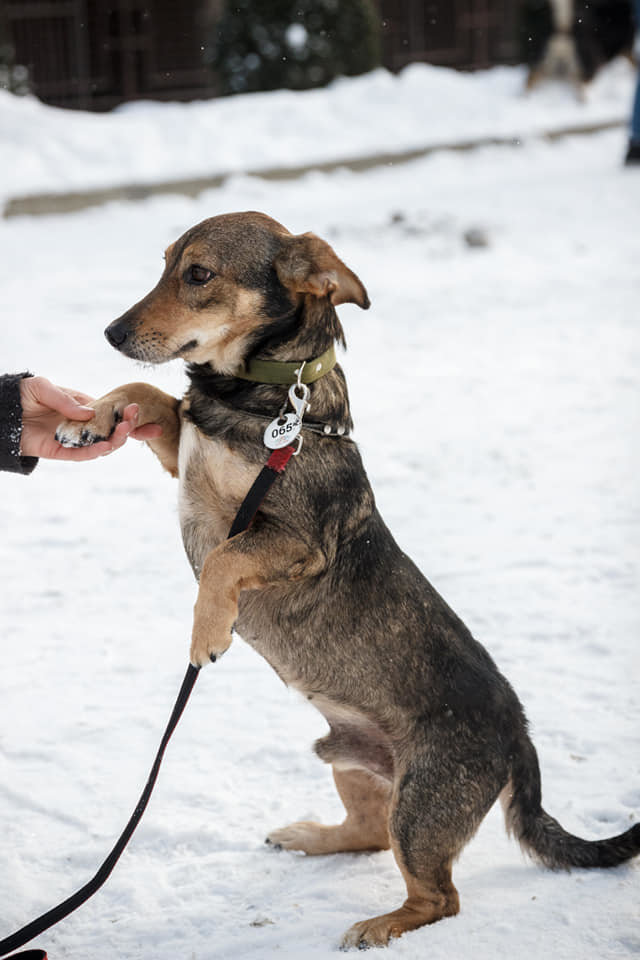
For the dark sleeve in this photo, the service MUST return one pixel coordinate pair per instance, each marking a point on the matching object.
(11, 426)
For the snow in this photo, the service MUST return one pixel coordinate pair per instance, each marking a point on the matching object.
(495, 396)
(147, 142)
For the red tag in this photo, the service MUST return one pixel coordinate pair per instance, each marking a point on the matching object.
(280, 458)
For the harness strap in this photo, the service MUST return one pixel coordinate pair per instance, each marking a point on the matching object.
(274, 466)
(268, 475)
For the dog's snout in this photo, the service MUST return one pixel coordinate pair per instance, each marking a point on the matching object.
(117, 332)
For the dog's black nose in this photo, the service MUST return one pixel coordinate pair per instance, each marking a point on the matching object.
(117, 332)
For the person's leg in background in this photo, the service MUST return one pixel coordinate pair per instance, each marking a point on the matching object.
(633, 153)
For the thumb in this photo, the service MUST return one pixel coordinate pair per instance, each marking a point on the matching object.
(57, 398)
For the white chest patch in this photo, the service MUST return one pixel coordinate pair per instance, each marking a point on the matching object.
(214, 481)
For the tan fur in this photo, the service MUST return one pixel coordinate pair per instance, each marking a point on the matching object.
(327, 277)
(366, 801)
(424, 732)
(249, 561)
(425, 903)
(214, 482)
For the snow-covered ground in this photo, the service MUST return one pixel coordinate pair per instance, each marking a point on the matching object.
(45, 149)
(495, 392)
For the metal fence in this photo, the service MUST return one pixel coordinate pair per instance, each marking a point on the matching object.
(98, 53)
(95, 54)
(467, 34)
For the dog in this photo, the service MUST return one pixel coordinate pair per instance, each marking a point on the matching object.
(571, 39)
(424, 732)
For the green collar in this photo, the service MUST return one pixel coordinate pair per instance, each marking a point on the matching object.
(278, 372)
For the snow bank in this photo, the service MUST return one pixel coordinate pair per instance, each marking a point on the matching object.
(44, 149)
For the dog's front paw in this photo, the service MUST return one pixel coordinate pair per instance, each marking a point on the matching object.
(75, 433)
(206, 650)
(210, 638)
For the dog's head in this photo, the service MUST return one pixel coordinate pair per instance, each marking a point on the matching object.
(227, 282)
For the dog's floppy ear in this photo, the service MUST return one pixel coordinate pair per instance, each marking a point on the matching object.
(307, 264)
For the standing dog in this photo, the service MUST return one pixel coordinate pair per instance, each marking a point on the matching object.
(424, 732)
(571, 39)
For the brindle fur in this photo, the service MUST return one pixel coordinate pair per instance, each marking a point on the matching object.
(424, 732)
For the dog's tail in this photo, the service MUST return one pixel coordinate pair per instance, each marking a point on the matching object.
(540, 835)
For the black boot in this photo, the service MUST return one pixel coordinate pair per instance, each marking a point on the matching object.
(633, 154)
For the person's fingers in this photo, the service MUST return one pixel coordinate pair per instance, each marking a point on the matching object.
(82, 454)
(131, 412)
(147, 431)
(119, 435)
(56, 398)
(82, 398)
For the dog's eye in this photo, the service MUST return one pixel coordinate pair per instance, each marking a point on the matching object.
(198, 275)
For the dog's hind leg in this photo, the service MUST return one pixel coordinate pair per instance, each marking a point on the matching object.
(439, 800)
(366, 799)
(430, 897)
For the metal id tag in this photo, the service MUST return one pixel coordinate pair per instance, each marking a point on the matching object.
(282, 430)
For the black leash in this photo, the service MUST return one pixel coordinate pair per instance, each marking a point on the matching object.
(62, 910)
(273, 468)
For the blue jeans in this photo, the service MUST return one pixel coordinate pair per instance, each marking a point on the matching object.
(635, 115)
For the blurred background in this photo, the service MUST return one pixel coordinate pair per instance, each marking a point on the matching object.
(466, 158)
(95, 55)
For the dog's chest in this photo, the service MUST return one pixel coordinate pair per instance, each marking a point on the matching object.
(213, 483)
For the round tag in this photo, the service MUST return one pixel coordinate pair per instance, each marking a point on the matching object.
(282, 430)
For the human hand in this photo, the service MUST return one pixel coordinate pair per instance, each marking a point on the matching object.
(42, 404)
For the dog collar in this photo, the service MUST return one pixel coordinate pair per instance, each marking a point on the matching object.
(286, 373)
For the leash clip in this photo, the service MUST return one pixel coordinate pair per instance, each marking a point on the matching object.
(299, 399)
(287, 426)
(300, 403)
(299, 392)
